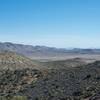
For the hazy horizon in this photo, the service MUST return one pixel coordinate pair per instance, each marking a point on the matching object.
(69, 48)
(53, 23)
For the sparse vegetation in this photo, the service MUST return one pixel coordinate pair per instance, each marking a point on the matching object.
(13, 98)
(56, 81)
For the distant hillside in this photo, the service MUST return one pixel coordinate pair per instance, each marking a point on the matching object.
(63, 64)
(29, 50)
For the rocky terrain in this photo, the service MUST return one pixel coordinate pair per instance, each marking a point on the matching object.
(24, 79)
(78, 83)
(11, 60)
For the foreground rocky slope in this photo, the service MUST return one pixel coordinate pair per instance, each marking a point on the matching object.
(81, 83)
(55, 80)
(70, 83)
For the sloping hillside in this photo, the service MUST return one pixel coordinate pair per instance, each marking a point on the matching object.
(80, 83)
(71, 83)
(11, 60)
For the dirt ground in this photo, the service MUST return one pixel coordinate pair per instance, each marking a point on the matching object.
(86, 57)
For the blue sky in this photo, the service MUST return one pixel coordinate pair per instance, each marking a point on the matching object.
(58, 23)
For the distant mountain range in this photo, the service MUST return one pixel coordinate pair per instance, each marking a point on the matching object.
(29, 50)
